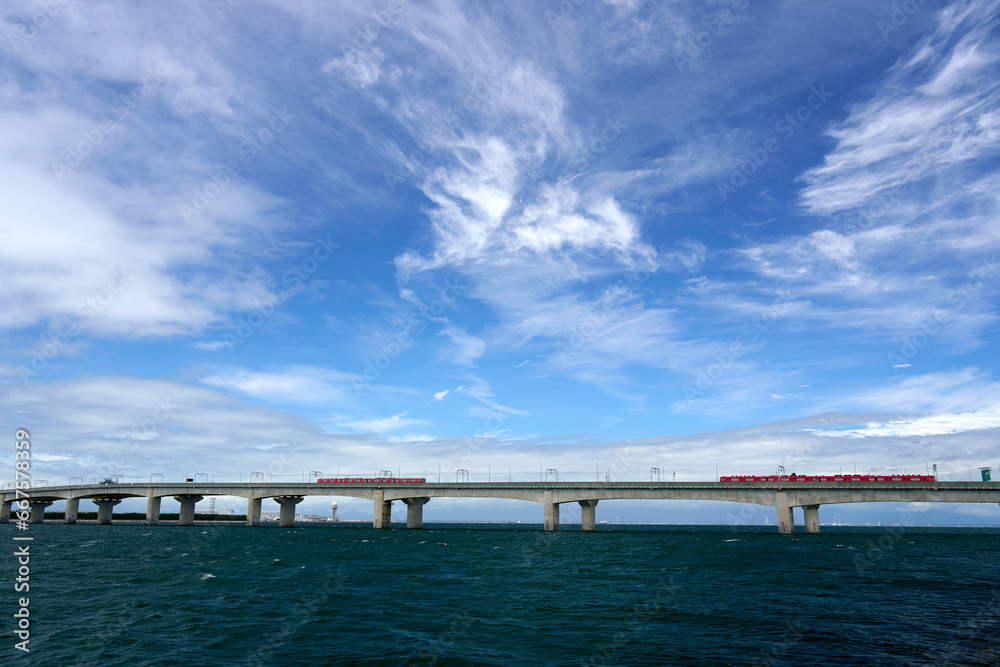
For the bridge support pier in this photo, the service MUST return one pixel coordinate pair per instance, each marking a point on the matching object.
(186, 517)
(104, 508)
(786, 520)
(253, 511)
(153, 510)
(551, 512)
(588, 515)
(383, 510)
(415, 512)
(5, 511)
(812, 518)
(38, 510)
(72, 509)
(286, 513)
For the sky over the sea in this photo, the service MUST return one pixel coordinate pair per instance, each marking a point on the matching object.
(591, 236)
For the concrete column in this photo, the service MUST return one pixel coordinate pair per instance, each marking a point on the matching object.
(153, 510)
(253, 511)
(104, 506)
(415, 512)
(383, 510)
(812, 518)
(786, 520)
(72, 509)
(5, 511)
(588, 514)
(187, 502)
(286, 513)
(38, 510)
(551, 512)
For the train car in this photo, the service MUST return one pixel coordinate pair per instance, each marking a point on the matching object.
(828, 478)
(371, 480)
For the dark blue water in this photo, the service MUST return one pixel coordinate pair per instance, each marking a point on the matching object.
(506, 595)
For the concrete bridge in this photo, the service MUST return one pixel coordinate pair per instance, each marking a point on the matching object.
(783, 496)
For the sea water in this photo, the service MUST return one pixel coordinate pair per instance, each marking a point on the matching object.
(494, 594)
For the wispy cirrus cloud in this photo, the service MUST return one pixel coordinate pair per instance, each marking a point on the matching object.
(386, 424)
(937, 110)
(308, 385)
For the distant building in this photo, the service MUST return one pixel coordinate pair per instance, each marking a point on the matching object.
(273, 516)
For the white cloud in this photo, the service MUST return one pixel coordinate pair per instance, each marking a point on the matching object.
(439, 396)
(386, 424)
(362, 67)
(937, 109)
(211, 346)
(988, 418)
(300, 384)
(467, 348)
(964, 390)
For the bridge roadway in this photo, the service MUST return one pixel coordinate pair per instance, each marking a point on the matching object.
(781, 495)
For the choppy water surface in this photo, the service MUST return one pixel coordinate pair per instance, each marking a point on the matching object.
(500, 595)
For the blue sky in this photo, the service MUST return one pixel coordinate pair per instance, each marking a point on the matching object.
(590, 236)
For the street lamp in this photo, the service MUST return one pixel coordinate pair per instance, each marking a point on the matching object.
(551, 471)
(463, 474)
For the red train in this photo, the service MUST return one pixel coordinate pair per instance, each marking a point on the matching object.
(372, 480)
(828, 478)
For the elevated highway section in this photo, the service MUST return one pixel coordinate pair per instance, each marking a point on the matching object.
(783, 496)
